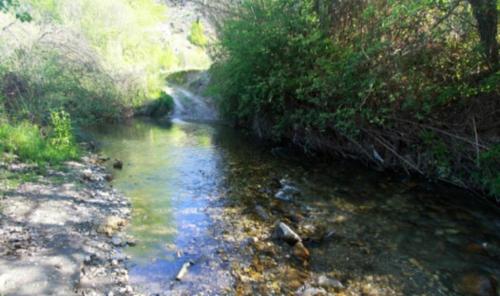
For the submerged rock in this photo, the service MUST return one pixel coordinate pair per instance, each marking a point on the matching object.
(475, 248)
(285, 233)
(478, 285)
(307, 290)
(262, 213)
(329, 283)
(316, 233)
(287, 192)
(118, 164)
(301, 252)
(117, 241)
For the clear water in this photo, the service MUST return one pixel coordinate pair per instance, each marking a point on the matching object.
(194, 186)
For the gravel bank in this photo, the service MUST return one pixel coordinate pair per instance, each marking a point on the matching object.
(61, 234)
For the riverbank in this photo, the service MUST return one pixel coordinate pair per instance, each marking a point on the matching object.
(60, 230)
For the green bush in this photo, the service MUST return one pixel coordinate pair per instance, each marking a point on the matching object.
(197, 34)
(163, 105)
(296, 64)
(31, 143)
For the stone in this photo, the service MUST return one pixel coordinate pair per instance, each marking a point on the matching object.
(301, 252)
(475, 248)
(262, 213)
(329, 283)
(307, 290)
(285, 233)
(116, 241)
(111, 225)
(316, 233)
(287, 193)
(131, 241)
(89, 175)
(118, 164)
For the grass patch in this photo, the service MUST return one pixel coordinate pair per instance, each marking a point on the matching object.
(31, 143)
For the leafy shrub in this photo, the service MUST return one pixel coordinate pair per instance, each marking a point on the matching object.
(163, 105)
(280, 57)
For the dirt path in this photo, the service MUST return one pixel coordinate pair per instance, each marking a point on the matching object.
(60, 235)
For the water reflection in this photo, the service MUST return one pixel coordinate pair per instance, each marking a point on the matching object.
(169, 173)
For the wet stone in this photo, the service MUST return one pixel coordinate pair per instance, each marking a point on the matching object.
(478, 285)
(262, 213)
(117, 241)
(307, 290)
(329, 283)
(301, 252)
(118, 164)
(288, 191)
(285, 233)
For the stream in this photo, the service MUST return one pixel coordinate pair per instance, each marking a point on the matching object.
(209, 195)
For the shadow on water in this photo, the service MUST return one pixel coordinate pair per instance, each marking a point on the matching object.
(194, 188)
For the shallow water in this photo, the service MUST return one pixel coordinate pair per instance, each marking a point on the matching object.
(194, 188)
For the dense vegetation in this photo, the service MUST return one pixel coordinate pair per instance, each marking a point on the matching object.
(401, 84)
(95, 61)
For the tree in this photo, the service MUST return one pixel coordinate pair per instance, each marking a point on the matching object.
(486, 14)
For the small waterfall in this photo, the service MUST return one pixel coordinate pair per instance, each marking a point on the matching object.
(189, 106)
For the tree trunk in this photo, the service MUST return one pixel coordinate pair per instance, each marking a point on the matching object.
(486, 14)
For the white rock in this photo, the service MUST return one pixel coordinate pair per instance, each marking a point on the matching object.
(284, 232)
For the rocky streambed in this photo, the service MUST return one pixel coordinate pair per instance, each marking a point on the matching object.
(240, 219)
(61, 231)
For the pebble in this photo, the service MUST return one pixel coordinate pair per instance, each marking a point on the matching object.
(262, 213)
(301, 252)
(117, 241)
(329, 283)
(307, 290)
(285, 233)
